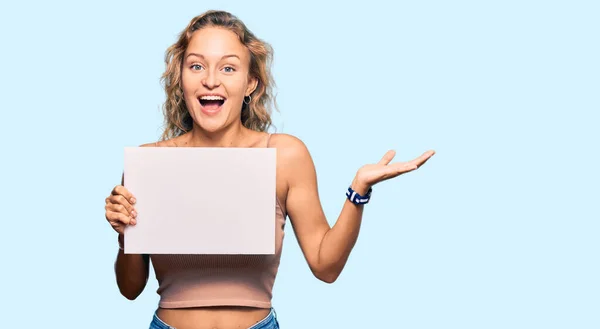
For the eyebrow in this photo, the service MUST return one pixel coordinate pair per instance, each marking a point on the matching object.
(202, 56)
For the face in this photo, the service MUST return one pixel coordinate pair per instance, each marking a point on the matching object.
(215, 78)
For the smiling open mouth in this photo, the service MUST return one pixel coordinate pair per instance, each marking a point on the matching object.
(211, 103)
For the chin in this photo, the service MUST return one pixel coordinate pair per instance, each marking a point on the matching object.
(211, 124)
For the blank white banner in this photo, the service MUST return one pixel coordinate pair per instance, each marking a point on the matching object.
(198, 200)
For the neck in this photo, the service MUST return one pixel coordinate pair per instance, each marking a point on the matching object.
(232, 136)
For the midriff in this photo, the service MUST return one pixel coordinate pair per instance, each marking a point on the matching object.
(221, 317)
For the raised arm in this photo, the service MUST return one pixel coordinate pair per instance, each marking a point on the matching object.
(327, 248)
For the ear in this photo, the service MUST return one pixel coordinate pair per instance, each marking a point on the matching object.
(252, 84)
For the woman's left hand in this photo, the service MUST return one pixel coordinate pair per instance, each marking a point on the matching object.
(371, 174)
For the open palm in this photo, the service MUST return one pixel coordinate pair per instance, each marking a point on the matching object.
(372, 174)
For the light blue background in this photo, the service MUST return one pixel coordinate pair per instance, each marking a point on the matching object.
(498, 230)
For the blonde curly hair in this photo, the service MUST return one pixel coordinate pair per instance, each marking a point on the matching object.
(257, 114)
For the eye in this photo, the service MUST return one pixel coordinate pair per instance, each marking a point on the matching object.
(196, 67)
(228, 69)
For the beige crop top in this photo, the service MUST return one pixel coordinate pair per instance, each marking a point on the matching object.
(219, 280)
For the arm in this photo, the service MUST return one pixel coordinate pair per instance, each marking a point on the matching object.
(131, 270)
(326, 248)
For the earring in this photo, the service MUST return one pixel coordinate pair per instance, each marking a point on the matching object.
(247, 103)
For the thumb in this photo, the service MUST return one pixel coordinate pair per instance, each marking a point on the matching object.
(389, 155)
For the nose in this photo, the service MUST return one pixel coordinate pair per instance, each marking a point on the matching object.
(211, 80)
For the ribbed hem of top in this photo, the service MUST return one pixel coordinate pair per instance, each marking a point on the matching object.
(215, 302)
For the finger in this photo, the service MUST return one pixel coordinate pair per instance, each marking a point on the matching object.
(389, 155)
(117, 218)
(119, 199)
(396, 169)
(403, 167)
(119, 208)
(119, 229)
(121, 190)
(423, 158)
(117, 226)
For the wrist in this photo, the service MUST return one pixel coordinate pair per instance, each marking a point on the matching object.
(360, 187)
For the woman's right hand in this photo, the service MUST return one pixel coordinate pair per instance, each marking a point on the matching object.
(119, 209)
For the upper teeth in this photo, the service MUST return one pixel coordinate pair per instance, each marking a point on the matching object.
(212, 98)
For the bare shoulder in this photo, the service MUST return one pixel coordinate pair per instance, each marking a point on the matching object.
(149, 144)
(289, 147)
(164, 143)
(294, 162)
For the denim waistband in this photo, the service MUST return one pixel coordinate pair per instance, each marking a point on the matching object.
(157, 323)
(270, 321)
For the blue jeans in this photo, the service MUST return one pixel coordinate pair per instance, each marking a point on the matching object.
(269, 322)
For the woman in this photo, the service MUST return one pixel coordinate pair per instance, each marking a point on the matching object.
(218, 86)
